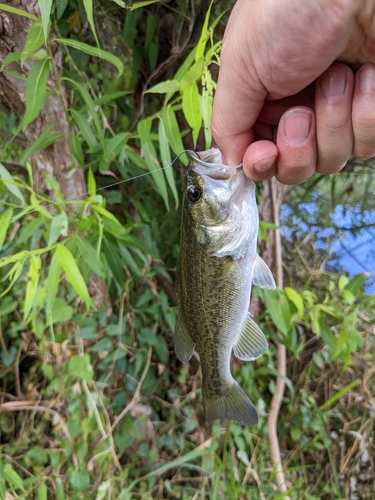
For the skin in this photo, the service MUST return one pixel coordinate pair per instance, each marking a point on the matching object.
(296, 89)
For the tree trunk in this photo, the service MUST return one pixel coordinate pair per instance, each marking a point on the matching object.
(56, 159)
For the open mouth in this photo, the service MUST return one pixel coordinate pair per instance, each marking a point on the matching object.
(211, 164)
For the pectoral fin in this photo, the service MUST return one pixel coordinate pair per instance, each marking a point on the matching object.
(262, 275)
(183, 343)
(251, 342)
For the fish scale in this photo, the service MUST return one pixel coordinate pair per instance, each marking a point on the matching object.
(215, 271)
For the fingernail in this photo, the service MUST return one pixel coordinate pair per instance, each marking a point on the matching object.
(265, 164)
(366, 78)
(297, 126)
(333, 83)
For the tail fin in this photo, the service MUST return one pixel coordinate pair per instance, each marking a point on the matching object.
(233, 405)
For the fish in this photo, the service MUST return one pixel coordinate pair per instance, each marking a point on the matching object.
(216, 268)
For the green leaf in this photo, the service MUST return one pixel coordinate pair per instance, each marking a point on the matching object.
(139, 5)
(58, 227)
(164, 87)
(36, 83)
(206, 105)
(91, 183)
(11, 475)
(112, 147)
(32, 286)
(5, 220)
(45, 11)
(73, 274)
(52, 283)
(93, 51)
(76, 148)
(90, 104)
(80, 367)
(90, 17)
(173, 132)
(102, 211)
(34, 41)
(90, 256)
(339, 394)
(44, 140)
(84, 128)
(113, 260)
(201, 45)
(166, 159)
(273, 307)
(42, 492)
(190, 107)
(19, 12)
(10, 184)
(9, 58)
(297, 300)
(194, 74)
(59, 489)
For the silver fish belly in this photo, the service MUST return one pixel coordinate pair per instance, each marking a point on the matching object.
(217, 266)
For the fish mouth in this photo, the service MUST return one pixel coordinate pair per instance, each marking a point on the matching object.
(210, 163)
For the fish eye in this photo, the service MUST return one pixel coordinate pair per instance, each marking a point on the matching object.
(194, 193)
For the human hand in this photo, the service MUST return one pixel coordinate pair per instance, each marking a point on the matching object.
(284, 105)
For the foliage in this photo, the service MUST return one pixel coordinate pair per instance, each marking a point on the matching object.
(94, 403)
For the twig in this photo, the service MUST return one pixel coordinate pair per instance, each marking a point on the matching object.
(281, 358)
(137, 392)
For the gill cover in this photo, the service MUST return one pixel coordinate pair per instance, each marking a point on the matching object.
(225, 215)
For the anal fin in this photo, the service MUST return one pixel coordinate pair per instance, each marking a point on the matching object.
(251, 342)
(183, 343)
(262, 275)
(233, 405)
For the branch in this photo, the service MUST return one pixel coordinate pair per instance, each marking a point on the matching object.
(281, 355)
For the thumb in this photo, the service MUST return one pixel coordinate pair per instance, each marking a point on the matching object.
(238, 101)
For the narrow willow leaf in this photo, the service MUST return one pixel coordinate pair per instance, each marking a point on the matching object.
(36, 83)
(5, 220)
(112, 147)
(206, 104)
(173, 132)
(154, 167)
(201, 45)
(113, 260)
(43, 141)
(45, 12)
(166, 159)
(32, 285)
(34, 40)
(19, 12)
(52, 283)
(102, 211)
(90, 104)
(139, 5)
(11, 57)
(10, 183)
(104, 99)
(164, 87)
(73, 274)
(76, 149)
(296, 298)
(84, 128)
(193, 75)
(13, 275)
(90, 17)
(93, 51)
(91, 183)
(58, 227)
(90, 256)
(190, 107)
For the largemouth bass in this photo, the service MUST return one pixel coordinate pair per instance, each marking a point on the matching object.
(217, 265)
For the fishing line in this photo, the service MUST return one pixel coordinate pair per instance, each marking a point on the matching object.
(58, 203)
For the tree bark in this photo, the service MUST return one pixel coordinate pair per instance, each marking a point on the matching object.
(56, 159)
